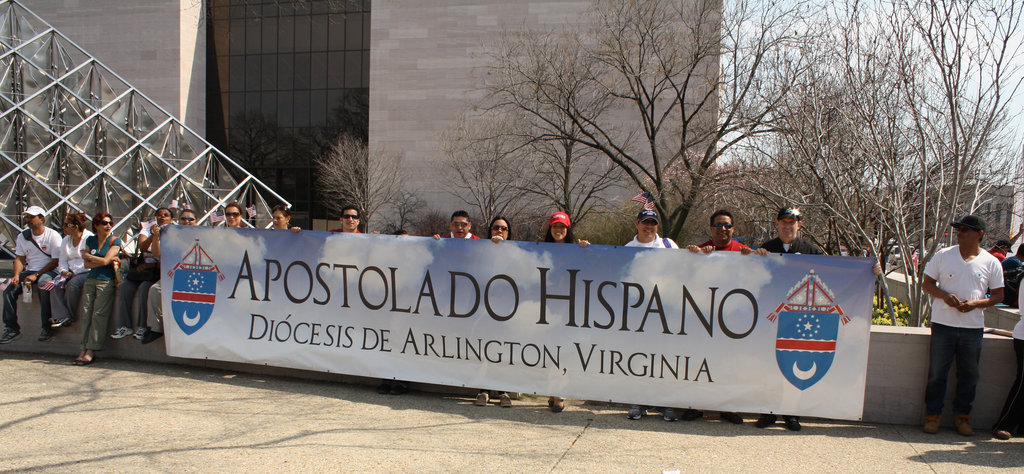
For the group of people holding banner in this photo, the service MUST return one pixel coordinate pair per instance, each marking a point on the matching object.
(78, 279)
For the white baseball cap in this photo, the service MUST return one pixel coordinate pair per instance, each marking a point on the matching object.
(35, 211)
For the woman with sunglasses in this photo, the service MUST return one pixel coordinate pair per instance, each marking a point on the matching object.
(560, 232)
(98, 292)
(132, 293)
(71, 267)
(500, 230)
(233, 215)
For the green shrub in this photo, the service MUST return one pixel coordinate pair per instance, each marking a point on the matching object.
(880, 315)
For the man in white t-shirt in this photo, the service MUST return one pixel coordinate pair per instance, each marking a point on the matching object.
(647, 232)
(35, 260)
(647, 236)
(958, 278)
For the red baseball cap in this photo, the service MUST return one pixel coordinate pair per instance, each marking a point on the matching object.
(560, 217)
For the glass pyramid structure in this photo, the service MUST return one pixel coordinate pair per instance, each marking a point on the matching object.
(75, 137)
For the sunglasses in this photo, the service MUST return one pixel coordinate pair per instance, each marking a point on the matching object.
(187, 219)
(105, 223)
(460, 224)
(232, 214)
(649, 222)
(499, 227)
(350, 216)
(722, 226)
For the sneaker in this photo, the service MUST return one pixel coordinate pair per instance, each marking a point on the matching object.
(481, 399)
(121, 333)
(400, 388)
(151, 336)
(931, 424)
(636, 412)
(59, 323)
(963, 425)
(690, 414)
(669, 414)
(766, 420)
(140, 333)
(384, 388)
(45, 335)
(731, 417)
(505, 401)
(1002, 434)
(9, 336)
(792, 423)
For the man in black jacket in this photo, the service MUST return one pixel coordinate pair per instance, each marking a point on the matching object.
(788, 221)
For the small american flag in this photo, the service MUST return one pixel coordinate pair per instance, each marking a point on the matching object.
(184, 205)
(217, 217)
(174, 204)
(251, 210)
(644, 198)
(56, 283)
(4, 284)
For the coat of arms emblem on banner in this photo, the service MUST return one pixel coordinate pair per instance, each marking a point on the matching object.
(808, 328)
(194, 290)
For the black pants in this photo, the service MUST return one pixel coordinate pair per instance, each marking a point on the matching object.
(1012, 417)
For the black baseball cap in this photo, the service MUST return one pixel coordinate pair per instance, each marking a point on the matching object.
(974, 222)
(787, 212)
(648, 214)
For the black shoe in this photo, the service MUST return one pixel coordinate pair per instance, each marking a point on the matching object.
(400, 388)
(151, 336)
(792, 423)
(766, 420)
(384, 388)
(45, 335)
(59, 323)
(690, 414)
(9, 336)
(731, 417)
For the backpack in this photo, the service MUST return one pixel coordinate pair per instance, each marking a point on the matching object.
(1011, 281)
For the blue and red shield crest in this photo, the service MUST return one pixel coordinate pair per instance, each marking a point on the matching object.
(809, 320)
(195, 289)
(805, 346)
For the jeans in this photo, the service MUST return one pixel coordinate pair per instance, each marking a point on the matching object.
(948, 343)
(155, 307)
(130, 306)
(1012, 417)
(65, 301)
(12, 293)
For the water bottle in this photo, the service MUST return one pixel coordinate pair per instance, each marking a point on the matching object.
(26, 292)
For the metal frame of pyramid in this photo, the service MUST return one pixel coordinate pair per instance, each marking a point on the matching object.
(76, 137)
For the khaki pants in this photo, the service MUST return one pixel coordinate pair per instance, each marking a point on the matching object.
(97, 304)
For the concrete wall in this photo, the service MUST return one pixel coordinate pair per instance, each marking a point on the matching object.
(427, 67)
(897, 368)
(158, 46)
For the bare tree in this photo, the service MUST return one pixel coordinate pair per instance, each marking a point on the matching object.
(484, 159)
(350, 174)
(569, 176)
(699, 78)
(900, 126)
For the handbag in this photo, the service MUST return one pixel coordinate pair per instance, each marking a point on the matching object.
(140, 270)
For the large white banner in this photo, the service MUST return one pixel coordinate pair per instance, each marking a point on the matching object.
(781, 334)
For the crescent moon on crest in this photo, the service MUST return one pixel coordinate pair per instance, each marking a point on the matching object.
(804, 374)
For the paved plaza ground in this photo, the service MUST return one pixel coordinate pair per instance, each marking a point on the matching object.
(129, 416)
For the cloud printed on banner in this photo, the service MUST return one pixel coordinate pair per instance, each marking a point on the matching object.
(226, 247)
(410, 255)
(723, 270)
